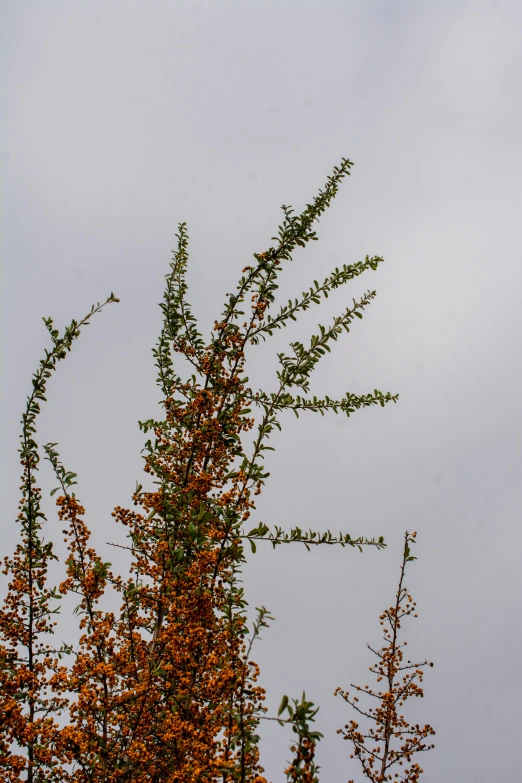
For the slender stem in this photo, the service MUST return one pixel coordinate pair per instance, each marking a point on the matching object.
(388, 730)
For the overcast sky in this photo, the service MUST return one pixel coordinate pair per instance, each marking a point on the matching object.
(125, 118)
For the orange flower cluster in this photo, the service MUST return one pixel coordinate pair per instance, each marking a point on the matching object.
(164, 691)
(302, 767)
(160, 691)
(380, 761)
(31, 692)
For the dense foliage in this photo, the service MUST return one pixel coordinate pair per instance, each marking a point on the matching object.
(164, 689)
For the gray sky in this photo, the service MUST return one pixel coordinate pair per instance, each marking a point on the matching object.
(125, 118)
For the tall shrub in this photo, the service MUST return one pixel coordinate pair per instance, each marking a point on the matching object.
(163, 688)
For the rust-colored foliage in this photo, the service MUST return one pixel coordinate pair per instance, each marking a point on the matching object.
(384, 750)
(164, 689)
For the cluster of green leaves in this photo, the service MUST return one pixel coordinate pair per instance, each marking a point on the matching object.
(313, 296)
(308, 538)
(302, 767)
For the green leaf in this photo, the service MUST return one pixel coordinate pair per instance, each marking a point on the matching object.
(283, 705)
